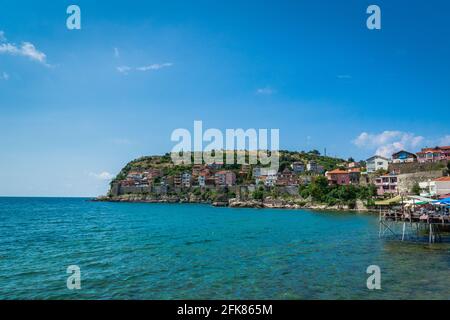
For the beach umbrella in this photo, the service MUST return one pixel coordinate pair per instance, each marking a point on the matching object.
(389, 202)
(442, 202)
(415, 202)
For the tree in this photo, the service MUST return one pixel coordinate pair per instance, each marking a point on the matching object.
(319, 188)
(284, 165)
(258, 195)
(415, 189)
(367, 192)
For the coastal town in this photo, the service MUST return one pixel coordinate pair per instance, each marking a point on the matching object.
(303, 179)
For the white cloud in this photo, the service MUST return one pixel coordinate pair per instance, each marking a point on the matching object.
(265, 91)
(156, 66)
(123, 69)
(388, 142)
(116, 52)
(105, 176)
(29, 50)
(2, 36)
(26, 49)
(344, 76)
(4, 76)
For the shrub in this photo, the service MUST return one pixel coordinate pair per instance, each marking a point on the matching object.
(258, 194)
(415, 189)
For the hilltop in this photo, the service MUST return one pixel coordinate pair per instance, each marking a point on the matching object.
(298, 182)
(168, 168)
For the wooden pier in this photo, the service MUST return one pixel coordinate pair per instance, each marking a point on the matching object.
(414, 227)
(415, 222)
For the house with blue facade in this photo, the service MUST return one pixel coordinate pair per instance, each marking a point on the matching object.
(403, 156)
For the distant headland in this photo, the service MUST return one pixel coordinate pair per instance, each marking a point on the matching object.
(302, 180)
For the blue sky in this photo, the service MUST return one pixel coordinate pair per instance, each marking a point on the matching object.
(76, 105)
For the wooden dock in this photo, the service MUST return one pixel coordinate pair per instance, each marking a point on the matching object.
(430, 225)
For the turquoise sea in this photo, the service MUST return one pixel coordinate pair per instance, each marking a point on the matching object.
(186, 251)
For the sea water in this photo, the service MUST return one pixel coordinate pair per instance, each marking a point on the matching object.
(189, 251)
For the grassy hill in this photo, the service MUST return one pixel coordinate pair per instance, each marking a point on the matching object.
(165, 163)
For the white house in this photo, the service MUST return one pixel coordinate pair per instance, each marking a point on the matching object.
(312, 166)
(258, 172)
(376, 163)
(268, 177)
(270, 180)
(186, 179)
(436, 187)
(201, 180)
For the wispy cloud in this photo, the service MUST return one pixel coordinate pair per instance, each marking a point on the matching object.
(124, 69)
(344, 76)
(152, 67)
(104, 176)
(26, 49)
(116, 52)
(265, 91)
(4, 76)
(155, 66)
(388, 142)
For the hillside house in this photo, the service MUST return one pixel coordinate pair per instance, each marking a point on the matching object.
(376, 163)
(387, 184)
(338, 177)
(403, 157)
(435, 188)
(298, 167)
(313, 167)
(225, 178)
(436, 154)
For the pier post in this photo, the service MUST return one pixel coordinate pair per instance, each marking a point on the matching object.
(431, 233)
(403, 231)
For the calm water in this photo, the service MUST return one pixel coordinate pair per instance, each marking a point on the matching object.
(156, 251)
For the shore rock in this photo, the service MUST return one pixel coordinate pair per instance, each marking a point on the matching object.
(268, 202)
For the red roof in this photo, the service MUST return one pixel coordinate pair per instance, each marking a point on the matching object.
(436, 149)
(224, 172)
(337, 171)
(442, 179)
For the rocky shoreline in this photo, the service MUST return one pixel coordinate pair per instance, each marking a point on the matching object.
(267, 203)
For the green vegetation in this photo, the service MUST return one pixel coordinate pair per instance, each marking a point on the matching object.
(415, 189)
(446, 171)
(319, 191)
(197, 191)
(258, 194)
(288, 157)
